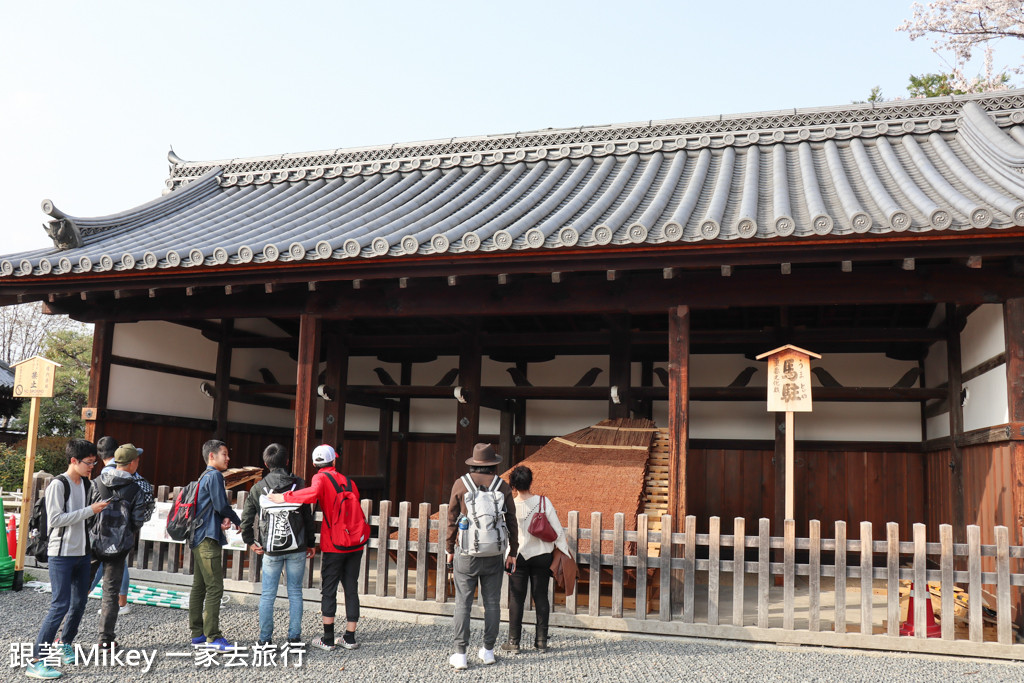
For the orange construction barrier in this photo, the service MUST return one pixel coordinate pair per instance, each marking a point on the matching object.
(907, 628)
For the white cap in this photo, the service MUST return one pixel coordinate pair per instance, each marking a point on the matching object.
(323, 455)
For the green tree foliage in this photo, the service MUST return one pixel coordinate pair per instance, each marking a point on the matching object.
(49, 458)
(932, 85)
(62, 415)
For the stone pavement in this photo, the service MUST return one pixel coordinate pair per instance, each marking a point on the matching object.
(405, 647)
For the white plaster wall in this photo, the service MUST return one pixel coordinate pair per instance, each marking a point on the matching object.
(154, 392)
(245, 364)
(177, 345)
(981, 339)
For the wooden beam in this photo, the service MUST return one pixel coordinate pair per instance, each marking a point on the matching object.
(306, 373)
(99, 376)
(642, 293)
(223, 381)
(169, 369)
(678, 421)
(956, 425)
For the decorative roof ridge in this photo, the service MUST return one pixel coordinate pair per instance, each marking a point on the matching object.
(68, 231)
(766, 127)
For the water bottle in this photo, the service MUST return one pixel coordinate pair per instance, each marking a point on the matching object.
(463, 523)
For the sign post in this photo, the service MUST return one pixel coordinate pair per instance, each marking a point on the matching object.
(789, 390)
(33, 378)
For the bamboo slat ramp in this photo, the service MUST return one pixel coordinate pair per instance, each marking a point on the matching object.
(656, 486)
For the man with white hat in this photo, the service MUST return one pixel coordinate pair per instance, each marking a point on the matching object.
(343, 534)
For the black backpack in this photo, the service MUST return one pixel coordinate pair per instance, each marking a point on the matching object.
(38, 524)
(111, 535)
(282, 530)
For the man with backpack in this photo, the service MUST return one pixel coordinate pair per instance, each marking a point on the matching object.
(115, 530)
(213, 514)
(481, 527)
(67, 510)
(343, 533)
(284, 535)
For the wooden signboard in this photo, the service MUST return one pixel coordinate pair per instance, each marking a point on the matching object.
(789, 391)
(789, 380)
(33, 378)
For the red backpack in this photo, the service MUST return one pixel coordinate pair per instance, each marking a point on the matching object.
(349, 529)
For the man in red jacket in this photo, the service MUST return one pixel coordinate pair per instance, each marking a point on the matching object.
(341, 555)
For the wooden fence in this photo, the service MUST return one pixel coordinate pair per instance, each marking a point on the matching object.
(839, 591)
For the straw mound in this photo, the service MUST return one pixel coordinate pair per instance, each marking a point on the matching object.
(596, 469)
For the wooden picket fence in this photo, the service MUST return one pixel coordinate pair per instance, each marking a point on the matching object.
(710, 585)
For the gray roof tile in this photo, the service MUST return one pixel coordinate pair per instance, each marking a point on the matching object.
(919, 166)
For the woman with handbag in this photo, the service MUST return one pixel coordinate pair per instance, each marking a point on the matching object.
(539, 533)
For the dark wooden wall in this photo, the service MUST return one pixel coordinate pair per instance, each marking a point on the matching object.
(853, 486)
(988, 489)
(173, 453)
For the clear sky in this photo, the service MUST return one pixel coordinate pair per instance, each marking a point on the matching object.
(93, 94)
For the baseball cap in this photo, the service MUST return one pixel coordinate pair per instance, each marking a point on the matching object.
(323, 455)
(126, 453)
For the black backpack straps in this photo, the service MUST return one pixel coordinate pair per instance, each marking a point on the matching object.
(337, 487)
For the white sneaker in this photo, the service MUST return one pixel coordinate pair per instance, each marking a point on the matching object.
(486, 656)
(124, 610)
(458, 661)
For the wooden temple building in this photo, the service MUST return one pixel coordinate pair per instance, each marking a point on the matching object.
(408, 300)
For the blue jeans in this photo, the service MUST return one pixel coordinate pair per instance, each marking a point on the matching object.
(99, 575)
(294, 565)
(69, 581)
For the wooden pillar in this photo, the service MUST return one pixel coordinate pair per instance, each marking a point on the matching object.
(646, 407)
(385, 426)
(519, 427)
(779, 511)
(505, 426)
(221, 399)
(336, 380)
(1013, 330)
(956, 423)
(619, 366)
(305, 394)
(468, 420)
(678, 423)
(402, 457)
(99, 379)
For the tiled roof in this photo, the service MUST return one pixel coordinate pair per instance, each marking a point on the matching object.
(951, 163)
(6, 377)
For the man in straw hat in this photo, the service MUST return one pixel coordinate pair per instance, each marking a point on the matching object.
(484, 526)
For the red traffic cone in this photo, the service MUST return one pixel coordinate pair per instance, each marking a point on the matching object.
(907, 627)
(12, 536)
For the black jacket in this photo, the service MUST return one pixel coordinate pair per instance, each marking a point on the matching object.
(141, 503)
(278, 481)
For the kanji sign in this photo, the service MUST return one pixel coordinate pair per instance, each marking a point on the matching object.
(33, 378)
(789, 379)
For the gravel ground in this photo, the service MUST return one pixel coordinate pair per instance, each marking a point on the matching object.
(394, 649)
